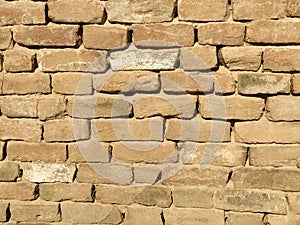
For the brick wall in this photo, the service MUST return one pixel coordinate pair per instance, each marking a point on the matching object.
(155, 112)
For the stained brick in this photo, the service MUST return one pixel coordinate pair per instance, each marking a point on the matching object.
(51, 106)
(18, 191)
(18, 60)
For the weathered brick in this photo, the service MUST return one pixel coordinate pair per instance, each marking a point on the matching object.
(294, 203)
(149, 174)
(244, 200)
(33, 152)
(293, 8)
(18, 129)
(51, 106)
(130, 11)
(5, 37)
(263, 83)
(66, 129)
(224, 81)
(282, 59)
(22, 12)
(173, 34)
(242, 58)
(149, 216)
(90, 213)
(258, 9)
(76, 11)
(41, 173)
(281, 220)
(18, 60)
(221, 33)
(3, 208)
(60, 192)
(9, 171)
(243, 218)
(2, 144)
(34, 212)
(18, 191)
(296, 84)
(104, 37)
(231, 107)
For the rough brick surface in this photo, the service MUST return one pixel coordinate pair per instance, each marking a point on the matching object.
(224, 81)
(149, 216)
(9, 171)
(18, 191)
(5, 37)
(18, 60)
(51, 107)
(245, 218)
(3, 208)
(293, 8)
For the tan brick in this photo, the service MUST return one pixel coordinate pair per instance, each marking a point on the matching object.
(90, 213)
(17, 129)
(150, 174)
(282, 59)
(51, 106)
(104, 37)
(281, 220)
(199, 57)
(60, 192)
(26, 83)
(221, 33)
(34, 212)
(267, 179)
(258, 9)
(71, 60)
(149, 216)
(231, 107)
(3, 208)
(267, 132)
(243, 218)
(33, 152)
(130, 11)
(242, 58)
(76, 11)
(18, 191)
(9, 171)
(22, 12)
(19, 106)
(1, 150)
(214, 10)
(66, 129)
(130, 129)
(263, 83)
(1, 62)
(18, 60)
(224, 81)
(5, 37)
(193, 216)
(294, 203)
(182, 82)
(293, 8)
(244, 200)
(181, 34)
(296, 84)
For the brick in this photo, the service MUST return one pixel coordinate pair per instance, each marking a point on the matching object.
(188, 130)
(257, 9)
(90, 213)
(19, 60)
(231, 107)
(166, 106)
(263, 83)
(243, 218)
(181, 82)
(18, 191)
(180, 34)
(221, 34)
(5, 37)
(76, 11)
(9, 171)
(296, 84)
(193, 216)
(19, 12)
(129, 11)
(199, 57)
(130, 129)
(280, 220)
(33, 152)
(224, 81)
(190, 10)
(66, 129)
(242, 58)
(61, 192)
(267, 132)
(140, 152)
(71, 60)
(26, 83)
(104, 37)
(293, 8)
(34, 212)
(149, 216)
(3, 208)
(52, 35)
(18, 129)
(127, 82)
(41, 173)
(51, 106)
(148, 174)
(282, 59)
(19, 106)
(1, 150)
(244, 200)
(1, 62)
(273, 32)
(294, 203)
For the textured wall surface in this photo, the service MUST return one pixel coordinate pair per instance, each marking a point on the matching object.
(199, 126)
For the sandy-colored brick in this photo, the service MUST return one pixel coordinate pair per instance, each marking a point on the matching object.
(282, 59)
(181, 34)
(258, 9)
(18, 59)
(104, 37)
(149, 174)
(3, 208)
(293, 8)
(33, 152)
(224, 81)
(282, 220)
(242, 58)
(9, 171)
(1, 150)
(22, 12)
(149, 11)
(5, 37)
(18, 191)
(1, 62)
(243, 218)
(294, 203)
(149, 216)
(18, 129)
(51, 106)
(296, 84)
(226, 33)
(263, 83)
(76, 11)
